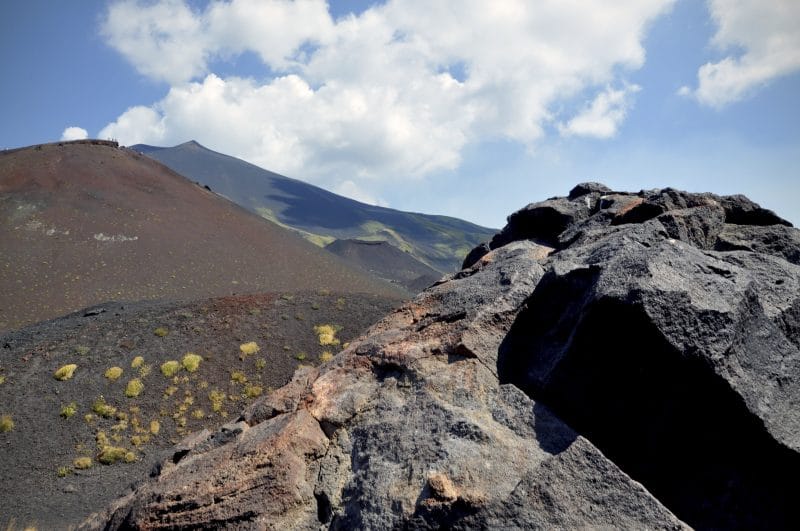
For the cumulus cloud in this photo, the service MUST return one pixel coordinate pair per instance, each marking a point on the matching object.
(397, 91)
(74, 133)
(764, 41)
(603, 116)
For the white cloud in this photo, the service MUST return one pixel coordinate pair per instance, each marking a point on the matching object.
(603, 117)
(74, 133)
(764, 37)
(372, 96)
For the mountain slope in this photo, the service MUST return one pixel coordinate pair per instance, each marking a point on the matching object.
(440, 241)
(386, 261)
(86, 222)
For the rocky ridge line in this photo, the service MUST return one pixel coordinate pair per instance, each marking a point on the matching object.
(663, 326)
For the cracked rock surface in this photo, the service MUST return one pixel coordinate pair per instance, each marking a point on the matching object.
(608, 360)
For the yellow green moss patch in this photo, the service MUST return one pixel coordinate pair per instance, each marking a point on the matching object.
(65, 372)
(103, 409)
(6, 424)
(249, 348)
(326, 356)
(198, 414)
(169, 368)
(238, 377)
(326, 334)
(134, 388)
(112, 454)
(260, 364)
(155, 427)
(191, 361)
(216, 397)
(137, 362)
(63, 471)
(82, 463)
(161, 331)
(69, 410)
(113, 373)
(252, 391)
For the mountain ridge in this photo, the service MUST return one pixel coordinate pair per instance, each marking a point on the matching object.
(322, 216)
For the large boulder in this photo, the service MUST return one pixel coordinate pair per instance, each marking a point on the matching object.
(590, 368)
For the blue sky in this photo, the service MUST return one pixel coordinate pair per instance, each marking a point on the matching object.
(469, 108)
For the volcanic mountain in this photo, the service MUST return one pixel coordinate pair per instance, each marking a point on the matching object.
(386, 261)
(87, 222)
(321, 216)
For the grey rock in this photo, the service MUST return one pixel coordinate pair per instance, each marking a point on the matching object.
(612, 360)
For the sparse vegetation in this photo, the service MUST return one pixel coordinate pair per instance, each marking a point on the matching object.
(82, 350)
(137, 362)
(113, 373)
(191, 361)
(144, 370)
(63, 471)
(69, 410)
(103, 409)
(134, 388)
(155, 427)
(238, 377)
(252, 390)
(260, 364)
(249, 348)
(82, 463)
(216, 397)
(198, 414)
(300, 356)
(326, 334)
(65, 372)
(6, 423)
(112, 454)
(161, 331)
(169, 391)
(169, 368)
(325, 356)
(2, 379)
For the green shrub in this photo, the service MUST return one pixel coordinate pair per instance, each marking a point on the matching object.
(161, 331)
(239, 377)
(103, 409)
(260, 364)
(111, 454)
(191, 361)
(252, 390)
(82, 463)
(169, 368)
(249, 348)
(325, 356)
(63, 471)
(326, 334)
(216, 397)
(134, 388)
(69, 410)
(65, 372)
(113, 373)
(300, 356)
(137, 362)
(6, 424)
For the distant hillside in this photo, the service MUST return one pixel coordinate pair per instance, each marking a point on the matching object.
(321, 216)
(86, 222)
(387, 262)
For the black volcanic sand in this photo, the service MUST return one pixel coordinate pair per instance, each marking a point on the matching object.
(32, 489)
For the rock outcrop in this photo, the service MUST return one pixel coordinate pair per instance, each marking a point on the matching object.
(608, 360)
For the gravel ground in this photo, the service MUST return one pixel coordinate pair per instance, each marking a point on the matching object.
(39, 482)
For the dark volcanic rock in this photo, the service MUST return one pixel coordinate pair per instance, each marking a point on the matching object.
(658, 348)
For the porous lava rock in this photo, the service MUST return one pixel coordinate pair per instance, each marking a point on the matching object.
(593, 368)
